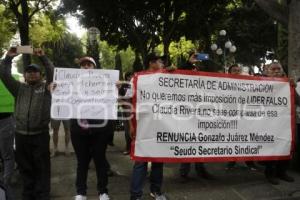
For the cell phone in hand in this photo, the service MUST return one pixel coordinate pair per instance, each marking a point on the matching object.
(202, 56)
(25, 49)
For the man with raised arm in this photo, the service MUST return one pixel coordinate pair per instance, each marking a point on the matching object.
(32, 113)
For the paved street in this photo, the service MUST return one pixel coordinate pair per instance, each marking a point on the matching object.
(237, 184)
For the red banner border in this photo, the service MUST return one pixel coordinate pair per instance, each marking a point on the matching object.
(212, 159)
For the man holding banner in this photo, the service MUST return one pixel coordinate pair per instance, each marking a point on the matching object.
(153, 63)
(200, 168)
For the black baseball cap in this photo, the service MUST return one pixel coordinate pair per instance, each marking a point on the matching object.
(33, 67)
(153, 57)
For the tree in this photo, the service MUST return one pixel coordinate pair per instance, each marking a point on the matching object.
(179, 51)
(252, 31)
(127, 57)
(145, 24)
(64, 51)
(287, 13)
(169, 14)
(117, 25)
(137, 64)
(203, 21)
(24, 11)
(107, 57)
(7, 29)
(44, 29)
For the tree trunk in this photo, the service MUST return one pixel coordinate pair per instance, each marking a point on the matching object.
(143, 51)
(23, 24)
(118, 66)
(24, 36)
(137, 65)
(294, 39)
(166, 52)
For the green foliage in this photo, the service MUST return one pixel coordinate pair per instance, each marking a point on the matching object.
(24, 12)
(144, 25)
(108, 53)
(7, 29)
(44, 30)
(52, 35)
(65, 51)
(179, 51)
(127, 57)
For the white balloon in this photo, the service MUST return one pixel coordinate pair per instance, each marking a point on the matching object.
(232, 49)
(219, 51)
(214, 47)
(222, 32)
(228, 44)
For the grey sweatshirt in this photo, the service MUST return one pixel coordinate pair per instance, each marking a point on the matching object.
(33, 102)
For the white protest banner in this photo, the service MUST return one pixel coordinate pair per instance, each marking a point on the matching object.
(186, 116)
(84, 94)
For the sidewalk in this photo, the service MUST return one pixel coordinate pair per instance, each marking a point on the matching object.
(237, 184)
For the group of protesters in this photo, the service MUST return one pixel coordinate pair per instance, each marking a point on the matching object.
(28, 125)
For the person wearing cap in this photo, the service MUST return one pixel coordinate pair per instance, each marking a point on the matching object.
(32, 113)
(89, 139)
(89, 63)
(152, 63)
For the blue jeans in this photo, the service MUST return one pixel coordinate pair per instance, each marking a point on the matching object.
(7, 132)
(139, 175)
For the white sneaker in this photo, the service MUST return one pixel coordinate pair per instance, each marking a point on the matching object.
(80, 197)
(104, 196)
(158, 196)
